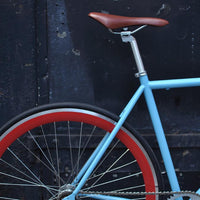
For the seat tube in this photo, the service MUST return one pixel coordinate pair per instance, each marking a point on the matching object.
(160, 134)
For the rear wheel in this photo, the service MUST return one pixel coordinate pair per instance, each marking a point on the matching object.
(43, 150)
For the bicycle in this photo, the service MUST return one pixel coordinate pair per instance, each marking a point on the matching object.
(104, 158)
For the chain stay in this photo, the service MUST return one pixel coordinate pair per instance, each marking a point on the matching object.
(192, 195)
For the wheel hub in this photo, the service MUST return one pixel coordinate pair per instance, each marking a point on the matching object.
(65, 191)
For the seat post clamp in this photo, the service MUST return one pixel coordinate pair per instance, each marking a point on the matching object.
(137, 75)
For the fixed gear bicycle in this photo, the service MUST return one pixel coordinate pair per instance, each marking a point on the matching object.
(76, 151)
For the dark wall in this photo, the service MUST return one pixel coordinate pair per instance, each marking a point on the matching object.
(23, 56)
(17, 58)
(51, 51)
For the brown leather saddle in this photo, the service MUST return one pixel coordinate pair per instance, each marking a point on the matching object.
(115, 21)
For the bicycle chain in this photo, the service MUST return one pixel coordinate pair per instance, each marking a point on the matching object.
(173, 195)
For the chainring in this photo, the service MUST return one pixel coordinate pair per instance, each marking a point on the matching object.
(189, 195)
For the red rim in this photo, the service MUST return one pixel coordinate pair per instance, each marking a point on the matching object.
(34, 122)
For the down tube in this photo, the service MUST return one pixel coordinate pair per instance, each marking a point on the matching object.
(160, 134)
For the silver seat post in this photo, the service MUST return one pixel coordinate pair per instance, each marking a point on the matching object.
(127, 37)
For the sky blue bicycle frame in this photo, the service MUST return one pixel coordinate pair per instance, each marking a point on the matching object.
(145, 88)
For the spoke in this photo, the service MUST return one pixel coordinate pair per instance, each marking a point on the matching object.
(39, 181)
(47, 146)
(115, 180)
(88, 140)
(109, 168)
(28, 149)
(84, 148)
(79, 146)
(17, 170)
(23, 184)
(20, 179)
(70, 147)
(107, 154)
(57, 156)
(7, 198)
(57, 175)
(53, 197)
(114, 169)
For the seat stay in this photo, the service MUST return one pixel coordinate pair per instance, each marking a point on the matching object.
(123, 116)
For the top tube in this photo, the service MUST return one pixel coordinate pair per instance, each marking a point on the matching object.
(174, 83)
